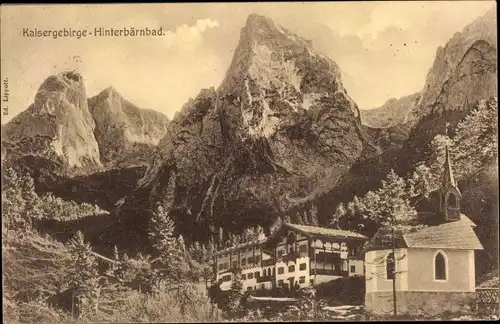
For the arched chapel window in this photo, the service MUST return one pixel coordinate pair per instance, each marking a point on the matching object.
(440, 266)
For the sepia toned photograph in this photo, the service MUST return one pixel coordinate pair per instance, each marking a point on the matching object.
(249, 162)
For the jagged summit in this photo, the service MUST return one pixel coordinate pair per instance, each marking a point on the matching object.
(109, 91)
(126, 134)
(57, 126)
(280, 125)
(272, 64)
(65, 128)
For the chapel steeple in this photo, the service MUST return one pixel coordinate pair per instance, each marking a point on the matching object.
(449, 193)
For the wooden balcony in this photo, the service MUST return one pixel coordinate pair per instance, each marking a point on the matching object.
(268, 262)
(328, 272)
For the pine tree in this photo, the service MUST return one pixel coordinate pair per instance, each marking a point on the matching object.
(436, 157)
(421, 181)
(255, 233)
(394, 201)
(303, 218)
(339, 215)
(85, 279)
(196, 251)
(476, 142)
(169, 252)
(232, 239)
(116, 257)
(221, 238)
(161, 232)
(276, 225)
(20, 203)
(371, 201)
(234, 306)
(203, 254)
(249, 234)
(314, 215)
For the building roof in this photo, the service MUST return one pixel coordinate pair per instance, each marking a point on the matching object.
(457, 235)
(454, 235)
(239, 246)
(308, 230)
(323, 231)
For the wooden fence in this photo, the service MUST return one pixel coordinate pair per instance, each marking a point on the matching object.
(487, 300)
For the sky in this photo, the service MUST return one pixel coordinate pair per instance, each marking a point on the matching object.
(384, 49)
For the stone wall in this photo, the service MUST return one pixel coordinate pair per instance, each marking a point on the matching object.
(418, 302)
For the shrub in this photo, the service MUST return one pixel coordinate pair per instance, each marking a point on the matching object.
(349, 290)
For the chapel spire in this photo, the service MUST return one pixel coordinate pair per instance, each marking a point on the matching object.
(449, 192)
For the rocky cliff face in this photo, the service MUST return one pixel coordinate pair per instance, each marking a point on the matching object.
(57, 126)
(66, 132)
(393, 112)
(464, 70)
(126, 134)
(278, 131)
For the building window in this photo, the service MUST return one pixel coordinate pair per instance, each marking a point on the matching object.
(440, 265)
(257, 274)
(257, 259)
(226, 278)
(303, 248)
(264, 272)
(250, 260)
(235, 264)
(281, 270)
(250, 275)
(280, 253)
(262, 286)
(452, 201)
(280, 283)
(221, 266)
(353, 268)
(243, 277)
(302, 280)
(249, 288)
(311, 281)
(291, 268)
(243, 261)
(302, 266)
(390, 266)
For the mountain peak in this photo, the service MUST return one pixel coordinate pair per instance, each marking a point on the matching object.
(256, 19)
(58, 124)
(109, 92)
(272, 64)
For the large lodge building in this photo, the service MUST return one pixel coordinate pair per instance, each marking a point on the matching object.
(294, 256)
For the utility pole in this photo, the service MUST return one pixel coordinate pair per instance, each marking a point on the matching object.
(394, 300)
